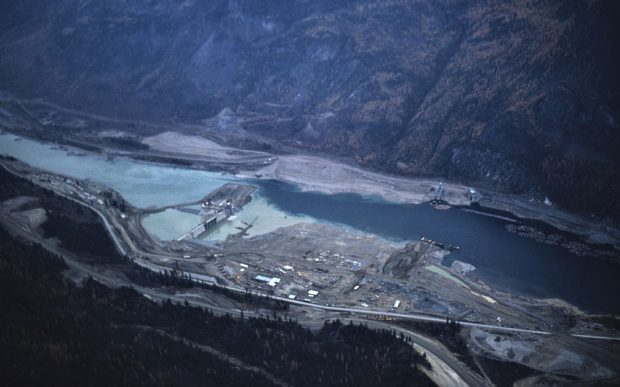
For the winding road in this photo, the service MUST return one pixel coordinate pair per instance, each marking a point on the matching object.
(125, 246)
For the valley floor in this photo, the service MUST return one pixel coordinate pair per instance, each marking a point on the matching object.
(437, 292)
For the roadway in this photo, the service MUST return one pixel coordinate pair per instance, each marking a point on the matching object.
(453, 370)
(125, 246)
(137, 253)
(450, 368)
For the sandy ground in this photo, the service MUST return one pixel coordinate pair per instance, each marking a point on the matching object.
(312, 173)
(546, 354)
(197, 146)
(549, 354)
(327, 176)
(320, 174)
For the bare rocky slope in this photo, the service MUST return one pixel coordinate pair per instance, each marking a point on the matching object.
(519, 96)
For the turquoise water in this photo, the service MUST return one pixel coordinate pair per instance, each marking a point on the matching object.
(146, 184)
(170, 224)
(502, 259)
(141, 184)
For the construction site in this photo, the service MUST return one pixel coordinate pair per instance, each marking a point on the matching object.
(316, 262)
(219, 206)
(320, 267)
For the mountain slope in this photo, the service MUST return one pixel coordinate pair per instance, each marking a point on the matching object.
(518, 96)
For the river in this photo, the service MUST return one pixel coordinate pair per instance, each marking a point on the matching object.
(504, 260)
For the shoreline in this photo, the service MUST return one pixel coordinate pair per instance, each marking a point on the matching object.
(486, 212)
(343, 178)
(475, 281)
(323, 175)
(523, 326)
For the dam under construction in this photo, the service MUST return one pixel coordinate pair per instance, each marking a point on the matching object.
(352, 255)
(219, 206)
(167, 203)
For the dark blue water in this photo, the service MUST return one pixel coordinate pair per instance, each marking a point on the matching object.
(504, 260)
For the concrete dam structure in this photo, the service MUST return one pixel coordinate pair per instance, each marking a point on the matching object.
(218, 206)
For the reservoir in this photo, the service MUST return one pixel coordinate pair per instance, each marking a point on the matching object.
(504, 260)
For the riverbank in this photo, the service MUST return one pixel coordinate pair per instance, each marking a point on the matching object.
(303, 247)
(324, 175)
(166, 145)
(327, 176)
(192, 146)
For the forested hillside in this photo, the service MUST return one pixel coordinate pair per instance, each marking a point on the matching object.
(519, 96)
